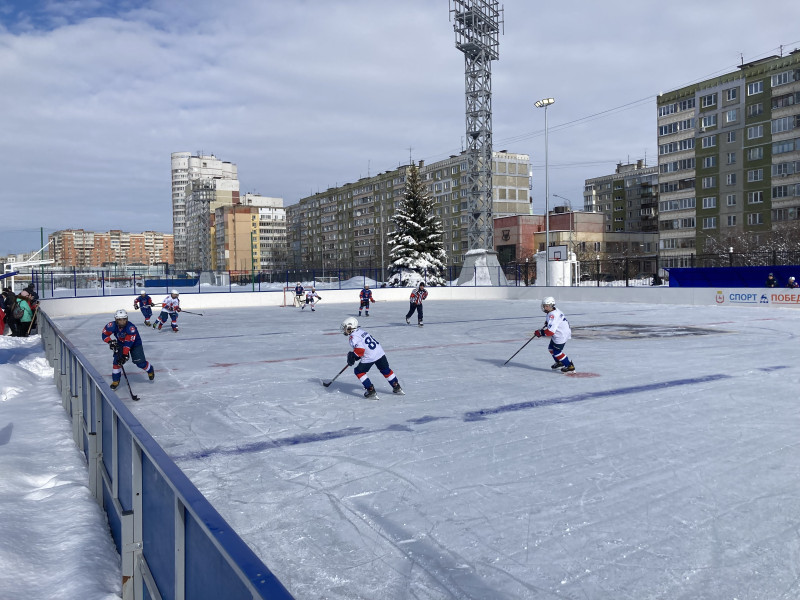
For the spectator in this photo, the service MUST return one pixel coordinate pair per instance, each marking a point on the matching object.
(24, 323)
(32, 292)
(792, 283)
(9, 302)
(771, 281)
(2, 320)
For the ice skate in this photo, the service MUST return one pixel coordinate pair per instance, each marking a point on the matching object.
(556, 365)
(396, 389)
(371, 392)
(114, 385)
(568, 369)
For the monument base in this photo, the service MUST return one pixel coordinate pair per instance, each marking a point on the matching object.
(481, 267)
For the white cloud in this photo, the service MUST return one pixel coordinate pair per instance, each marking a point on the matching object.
(305, 95)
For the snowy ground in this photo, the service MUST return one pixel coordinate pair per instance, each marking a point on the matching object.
(666, 467)
(54, 542)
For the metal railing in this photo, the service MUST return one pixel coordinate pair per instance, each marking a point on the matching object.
(172, 542)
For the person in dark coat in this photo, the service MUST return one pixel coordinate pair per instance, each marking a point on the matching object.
(771, 281)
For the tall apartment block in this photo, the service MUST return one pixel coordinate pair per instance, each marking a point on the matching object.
(203, 197)
(186, 168)
(729, 156)
(348, 226)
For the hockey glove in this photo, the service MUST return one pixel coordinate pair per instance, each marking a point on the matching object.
(537, 333)
(178, 309)
(352, 357)
(114, 345)
(122, 359)
(319, 297)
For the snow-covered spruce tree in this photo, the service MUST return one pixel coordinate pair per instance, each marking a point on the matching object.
(416, 246)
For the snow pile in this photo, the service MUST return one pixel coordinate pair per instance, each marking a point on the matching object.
(54, 540)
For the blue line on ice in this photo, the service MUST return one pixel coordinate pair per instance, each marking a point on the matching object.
(477, 415)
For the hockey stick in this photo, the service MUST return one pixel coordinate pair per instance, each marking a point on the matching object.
(520, 350)
(188, 312)
(30, 326)
(133, 396)
(328, 383)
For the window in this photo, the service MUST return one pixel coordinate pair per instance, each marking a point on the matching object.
(708, 141)
(755, 88)
(710, 202)
(709, 222)
(730, 179)
(709, 161)
(731, 158)
(708, 121)
(709, 182)
(730, 199)
(783, 78)
(731, 136)
(755, 109)
(756, 153)
(755, 219)
(784, 146)
(755, 197)
(708, 100)
(731, 220)
(732, 115)
(755, 175)
(754, 132)
(782, 124)
(731, 93)
(781, 191)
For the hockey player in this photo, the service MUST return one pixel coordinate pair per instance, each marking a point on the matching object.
(298, 295)
(170, 307)
(791, 283)
(417, 296)
(368, 350)
(124, 341)
(556, 327)
(311, 298)
(144, 303)
(365, 298)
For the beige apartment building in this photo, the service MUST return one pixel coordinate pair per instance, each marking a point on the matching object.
(348, 226)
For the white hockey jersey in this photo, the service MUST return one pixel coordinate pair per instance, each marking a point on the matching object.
(366, 347)
(170, 304)
(557, 326)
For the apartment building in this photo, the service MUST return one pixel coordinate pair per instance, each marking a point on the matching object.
(250, 235)
(348, 226)
(202, 198)
(729, 156)
(186, 168)
(628, 198)
(90, 249)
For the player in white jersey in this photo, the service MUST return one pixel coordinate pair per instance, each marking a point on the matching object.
(170, 307)
(556, 327)
(311, 299)
(369, 351)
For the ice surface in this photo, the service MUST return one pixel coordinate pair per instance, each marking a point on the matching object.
(665, 467)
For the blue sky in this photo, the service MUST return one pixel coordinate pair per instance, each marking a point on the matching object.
(306, 95)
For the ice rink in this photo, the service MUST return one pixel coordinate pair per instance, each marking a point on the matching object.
(667, 466)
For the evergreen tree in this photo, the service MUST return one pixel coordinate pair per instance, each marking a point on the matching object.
(416, 243)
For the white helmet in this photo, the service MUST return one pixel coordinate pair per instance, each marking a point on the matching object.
(791, 278)
(549, 301)
(142, 292)
(174, 292)
(121, 314)
(349, 325)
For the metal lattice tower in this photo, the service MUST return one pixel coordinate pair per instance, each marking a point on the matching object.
(477, 27)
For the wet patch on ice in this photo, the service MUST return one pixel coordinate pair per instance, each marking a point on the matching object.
(628, 331)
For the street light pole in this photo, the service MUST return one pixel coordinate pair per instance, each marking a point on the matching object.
(544, 103)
